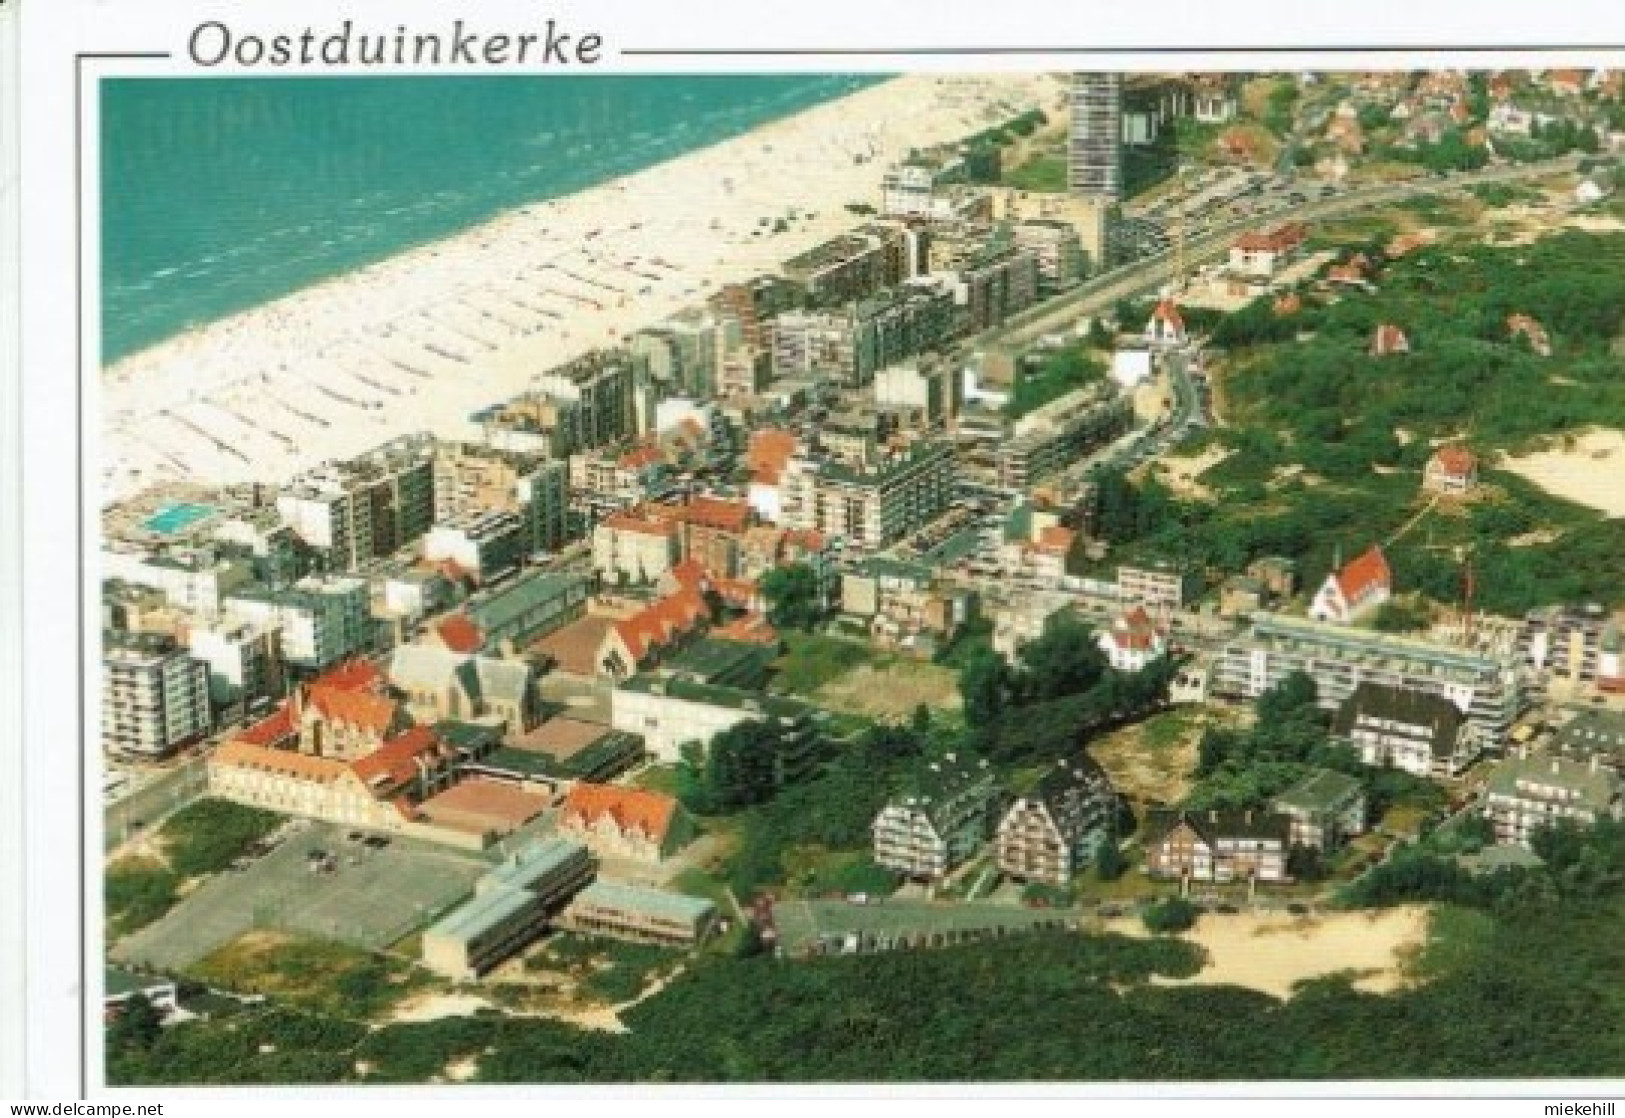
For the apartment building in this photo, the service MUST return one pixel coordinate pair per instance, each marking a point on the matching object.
(1161, 584)
(940, 820)
(851, 266)
(1095, 137)
(1422, 733)
(900, 323)
(472, 478)
(195, 579)
(814, 343)
(874, 506)
(1527, 793)
(995, 284)
(155, 696)
(244, 660)
(635, 547)
(1049, 833)
(599, 386)
(365, 507)
(1050, 438)
(1325, 809)
(1488, 689)
(1215, 846)
(1057, 249)
(932, 389)
(1581, 646)
(485, 545)
(322, 620)
(682, 351)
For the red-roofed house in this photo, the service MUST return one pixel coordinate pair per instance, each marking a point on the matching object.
(1364, 584)
(658, 628)
(1570, 83)
(1133, 641)
(1166, 326)
(1452, 471)
(1389, 339)
(1260, 254)
(621, 822)
(1523, 326)
(1289, 304)
(1354, 273)
(456, 633)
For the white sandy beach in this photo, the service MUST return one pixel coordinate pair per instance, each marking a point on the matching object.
(422, 339)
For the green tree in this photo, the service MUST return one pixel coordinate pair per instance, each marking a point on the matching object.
(136, 1027)
(793, 597)
(1110, 864)
(985, 686)
(1175, 914)
(1065, 659)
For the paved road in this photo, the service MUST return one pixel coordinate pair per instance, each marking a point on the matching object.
(1135, 279)
(148, 805)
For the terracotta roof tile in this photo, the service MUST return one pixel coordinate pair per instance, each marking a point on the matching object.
(273, 729)
(1363, 574)
(459, 634)
(1456, 460)
(660, 621)
(351, 675)
(650, 812)
(637, 521)
(367, 711)
(396, 759)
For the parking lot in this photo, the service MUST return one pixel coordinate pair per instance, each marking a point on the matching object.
(369, 898)
(838, 926)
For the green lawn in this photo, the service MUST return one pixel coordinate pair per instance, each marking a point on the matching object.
(811, 660)
(1043, 173)
(137, 892)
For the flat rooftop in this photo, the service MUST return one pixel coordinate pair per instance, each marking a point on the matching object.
(643, 901)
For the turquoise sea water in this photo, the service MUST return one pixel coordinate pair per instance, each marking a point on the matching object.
(221, 194)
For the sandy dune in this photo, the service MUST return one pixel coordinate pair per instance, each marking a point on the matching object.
(1271, 953)
(1591, 473)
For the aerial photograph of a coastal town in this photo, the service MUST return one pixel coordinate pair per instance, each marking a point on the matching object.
(829, 578)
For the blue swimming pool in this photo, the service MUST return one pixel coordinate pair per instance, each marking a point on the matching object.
(172, 518)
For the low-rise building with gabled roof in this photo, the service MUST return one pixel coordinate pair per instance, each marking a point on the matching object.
(1356, 589)
(1325, 809)
(624, 822)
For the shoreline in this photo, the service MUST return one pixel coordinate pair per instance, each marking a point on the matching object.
(420, 339)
